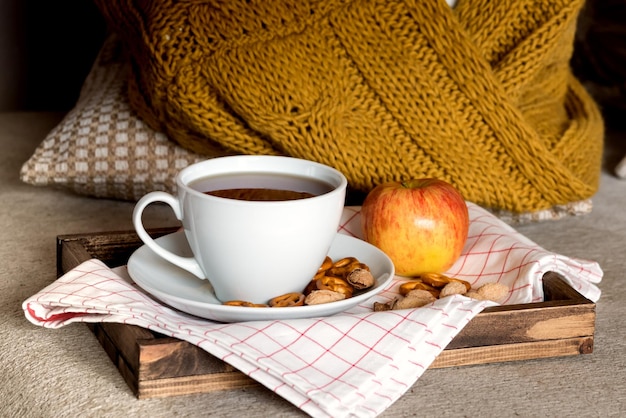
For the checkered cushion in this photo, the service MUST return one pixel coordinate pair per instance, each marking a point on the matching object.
(101, 148)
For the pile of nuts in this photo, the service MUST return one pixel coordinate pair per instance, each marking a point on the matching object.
(429, 287)
(343, 278)
(333, 281)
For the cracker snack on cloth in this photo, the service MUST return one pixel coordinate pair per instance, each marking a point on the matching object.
(481, 95)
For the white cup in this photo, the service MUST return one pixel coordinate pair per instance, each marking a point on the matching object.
(251, 250)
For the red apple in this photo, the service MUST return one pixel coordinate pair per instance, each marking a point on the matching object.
(421, 224)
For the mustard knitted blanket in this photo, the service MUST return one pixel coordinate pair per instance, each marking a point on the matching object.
(480, 95)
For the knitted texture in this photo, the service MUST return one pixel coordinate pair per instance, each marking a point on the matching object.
(481, 95)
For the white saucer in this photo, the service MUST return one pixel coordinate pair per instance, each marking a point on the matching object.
(183, 291)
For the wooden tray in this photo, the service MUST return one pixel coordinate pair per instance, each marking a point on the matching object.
(154, 365)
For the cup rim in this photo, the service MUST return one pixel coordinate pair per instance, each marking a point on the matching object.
(340, 188)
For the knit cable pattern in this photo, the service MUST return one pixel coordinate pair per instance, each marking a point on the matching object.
(481, 95)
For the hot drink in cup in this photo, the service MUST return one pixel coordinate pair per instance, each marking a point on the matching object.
(258, 226)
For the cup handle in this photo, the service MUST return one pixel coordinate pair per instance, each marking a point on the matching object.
(187, 263)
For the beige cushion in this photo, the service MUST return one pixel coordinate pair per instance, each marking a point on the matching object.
(101, 148)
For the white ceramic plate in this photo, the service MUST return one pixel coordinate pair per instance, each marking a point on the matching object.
(185, 292)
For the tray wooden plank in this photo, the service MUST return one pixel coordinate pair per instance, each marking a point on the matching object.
(154, 365)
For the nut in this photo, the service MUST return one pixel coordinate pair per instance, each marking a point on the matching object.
(474, 295)
(415, 299)
(467, 285)
(493, 291)
(360, 278)
(318, 297)
(342, 278)
(380, 306)
(489, 291)
(453, 288)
